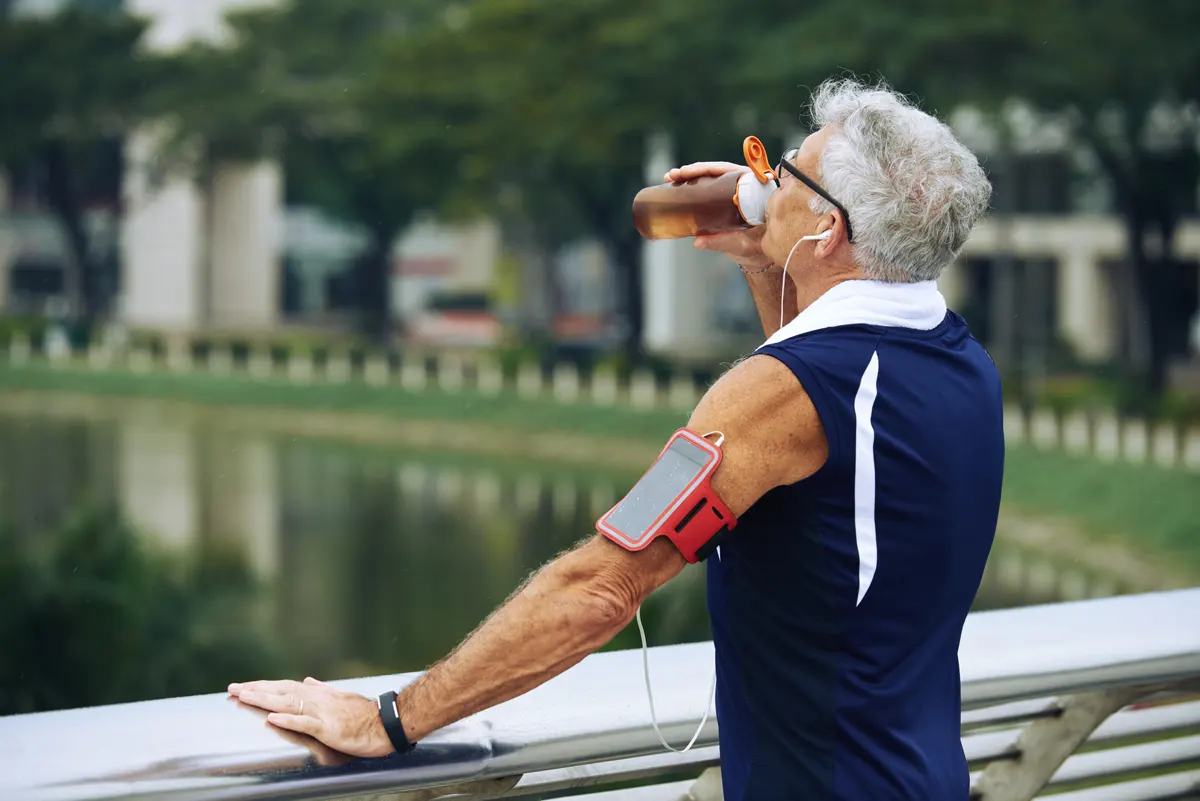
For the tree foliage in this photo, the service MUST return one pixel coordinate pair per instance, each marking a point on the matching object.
(90, 616)
(75, 83)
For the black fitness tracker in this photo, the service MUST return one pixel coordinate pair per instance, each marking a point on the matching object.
(390, 716)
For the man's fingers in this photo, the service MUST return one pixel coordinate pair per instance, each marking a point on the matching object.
(735, 243)
(701, 169)
(272, 702)
(310, 681)
(719, 241)
(277, 687)
(301, 723)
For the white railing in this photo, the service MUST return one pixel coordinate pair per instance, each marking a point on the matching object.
(1118, 676)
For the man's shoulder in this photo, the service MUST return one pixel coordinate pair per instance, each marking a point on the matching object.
(761, 407)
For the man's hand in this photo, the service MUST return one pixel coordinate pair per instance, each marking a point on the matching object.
(744, 247)
(346, 722)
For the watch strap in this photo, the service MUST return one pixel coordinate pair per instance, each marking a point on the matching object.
(389, 713)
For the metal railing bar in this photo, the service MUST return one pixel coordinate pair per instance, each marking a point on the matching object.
(635, 769)
(1006, 714)
(1024, 711)
(988, 747)
(1165, 719)
(1173, 787)
(675, 791)
(1165, 670)
(1111, 762)
(1040, 668)
(983, 747)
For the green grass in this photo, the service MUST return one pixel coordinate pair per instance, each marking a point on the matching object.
(1156, 510)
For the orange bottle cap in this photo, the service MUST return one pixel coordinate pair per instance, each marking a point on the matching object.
(756, 159)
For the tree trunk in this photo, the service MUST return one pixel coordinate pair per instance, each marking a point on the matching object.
(535, 249)
(79, 276)
(1156, 287)
(1131, 286)
(1149, 191)
(626, 250)
(375, 287)
(1146, 290)
(1005, 340)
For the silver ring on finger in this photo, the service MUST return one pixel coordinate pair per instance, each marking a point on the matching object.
(301, 712)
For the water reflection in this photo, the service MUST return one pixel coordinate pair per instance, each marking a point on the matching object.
(371, 560)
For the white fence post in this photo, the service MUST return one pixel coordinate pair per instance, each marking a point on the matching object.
(1191, 449)
(683, 393)
(1014, 424)
(1108, 436)
(413, 375)
(489, 378)
(1135, 443)
(300, 367)
(604, 386)
(337, 367)
(566, 383)
(1077, 433)
(450, 372)
(58, 346)
(1044, 428)
(378, 370)
(1165, 445)
(529, 380)
(643, 390)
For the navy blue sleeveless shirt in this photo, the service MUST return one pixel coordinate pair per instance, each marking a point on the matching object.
(838, 602)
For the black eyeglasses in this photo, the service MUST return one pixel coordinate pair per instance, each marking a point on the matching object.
(786, 164)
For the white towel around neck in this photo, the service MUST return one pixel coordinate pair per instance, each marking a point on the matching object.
(918, 306)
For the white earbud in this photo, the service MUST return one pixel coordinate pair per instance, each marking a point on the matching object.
(816, 237)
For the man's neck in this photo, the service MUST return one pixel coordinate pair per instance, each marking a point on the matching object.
(809, 287)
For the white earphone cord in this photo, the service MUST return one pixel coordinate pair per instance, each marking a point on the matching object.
(783, 284)
(650, 694)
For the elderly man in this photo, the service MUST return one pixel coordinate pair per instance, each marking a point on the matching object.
(862, 454)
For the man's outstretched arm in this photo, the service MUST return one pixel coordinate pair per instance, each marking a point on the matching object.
(581, 600)
(569, 609)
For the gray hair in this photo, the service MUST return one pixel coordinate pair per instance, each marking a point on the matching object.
(913, 191)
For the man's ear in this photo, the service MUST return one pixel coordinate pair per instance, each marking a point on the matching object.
(830, 237)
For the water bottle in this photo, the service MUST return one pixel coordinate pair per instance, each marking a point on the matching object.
(730, 202)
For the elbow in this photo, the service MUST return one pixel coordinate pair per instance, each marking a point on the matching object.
(610, 611)
(607, 591)
(612, 602)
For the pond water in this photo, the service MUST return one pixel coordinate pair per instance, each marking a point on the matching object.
(306, 556)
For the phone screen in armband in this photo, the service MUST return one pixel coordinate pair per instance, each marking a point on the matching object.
(678, 477)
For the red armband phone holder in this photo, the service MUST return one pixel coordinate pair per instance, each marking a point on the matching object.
(674, 499)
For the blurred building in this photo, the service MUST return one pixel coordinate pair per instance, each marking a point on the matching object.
(1044, 276)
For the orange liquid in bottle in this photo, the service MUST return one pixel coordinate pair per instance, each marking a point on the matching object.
(698, 207)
